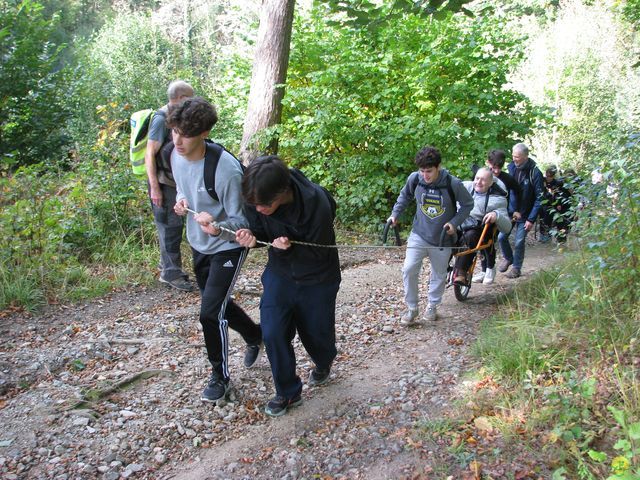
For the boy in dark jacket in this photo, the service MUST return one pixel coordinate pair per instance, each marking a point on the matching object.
(529, 177)
(300, 282)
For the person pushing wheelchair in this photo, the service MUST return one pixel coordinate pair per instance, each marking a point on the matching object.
(442, 204)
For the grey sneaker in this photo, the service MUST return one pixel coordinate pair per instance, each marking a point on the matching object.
(252, 355)
(504, 265)
(409, 317)
(431, 313)
(513, 273)
(215, 390)
(181, 283)
(318, 376)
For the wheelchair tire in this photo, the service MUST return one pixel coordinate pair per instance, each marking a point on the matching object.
(461, 292)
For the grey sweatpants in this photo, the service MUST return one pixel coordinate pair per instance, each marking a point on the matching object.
(417, 249)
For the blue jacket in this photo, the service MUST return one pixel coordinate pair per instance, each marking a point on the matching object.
(530, 179)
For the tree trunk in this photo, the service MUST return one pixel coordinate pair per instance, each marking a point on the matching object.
(270, 65)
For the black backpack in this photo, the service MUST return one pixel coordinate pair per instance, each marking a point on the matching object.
(211, 158)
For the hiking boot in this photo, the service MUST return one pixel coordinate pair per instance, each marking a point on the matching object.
(478, 277)
(278, 405)
(513, 273)
(215, 390)
(409, 317)
(504, 265)
(431, 313)
(252, 355)
(318, 376)
(489, 276)
(181, 283)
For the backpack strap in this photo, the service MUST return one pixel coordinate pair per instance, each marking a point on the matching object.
(497, 190)
(211, 159)
(452, 195)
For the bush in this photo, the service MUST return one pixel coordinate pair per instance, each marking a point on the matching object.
(33, 87)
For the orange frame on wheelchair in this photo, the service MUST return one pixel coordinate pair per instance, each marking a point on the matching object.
(479, 245)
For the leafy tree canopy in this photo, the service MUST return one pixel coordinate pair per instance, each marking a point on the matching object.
(360, 106)
(32, 88)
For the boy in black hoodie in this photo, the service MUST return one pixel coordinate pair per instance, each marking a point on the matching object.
(300, 282)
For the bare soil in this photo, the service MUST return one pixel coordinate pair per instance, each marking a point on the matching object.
(110, 388)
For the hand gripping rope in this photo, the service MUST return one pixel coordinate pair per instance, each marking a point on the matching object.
(309, 244)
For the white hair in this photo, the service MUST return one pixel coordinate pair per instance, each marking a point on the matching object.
(522, 148)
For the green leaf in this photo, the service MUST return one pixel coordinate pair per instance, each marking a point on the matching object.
(634, 431)
(597, 456)
(558, 474)
(618, 415)
(623, 445)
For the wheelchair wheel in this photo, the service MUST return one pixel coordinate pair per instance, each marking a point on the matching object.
(461, 292)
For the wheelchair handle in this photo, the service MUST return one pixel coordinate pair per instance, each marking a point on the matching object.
(396, 231)
(443, 235)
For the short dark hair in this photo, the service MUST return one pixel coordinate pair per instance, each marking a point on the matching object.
(496, 158)
(264, 179)
(428, 157)
(192, 117)
(551, 171)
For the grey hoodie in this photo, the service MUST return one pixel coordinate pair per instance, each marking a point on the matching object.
(189, 176)
(495, 203)
(434, 205)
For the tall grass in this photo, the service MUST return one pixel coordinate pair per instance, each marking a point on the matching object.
(566, 344)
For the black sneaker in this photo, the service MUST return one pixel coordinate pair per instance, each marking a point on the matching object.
(252, 355)
(318, 376)
(278, 405)
(181, 283)
(215, 390)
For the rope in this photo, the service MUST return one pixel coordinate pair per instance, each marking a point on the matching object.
(320, 245)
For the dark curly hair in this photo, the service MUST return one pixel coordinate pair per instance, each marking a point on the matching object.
(428, 157)
(192, 117)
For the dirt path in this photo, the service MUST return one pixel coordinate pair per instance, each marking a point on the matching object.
(387, 382)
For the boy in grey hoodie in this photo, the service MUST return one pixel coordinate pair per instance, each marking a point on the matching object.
(435, 192)
(217, 258)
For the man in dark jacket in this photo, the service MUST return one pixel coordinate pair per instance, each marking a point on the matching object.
(300, 282)
(529, 177)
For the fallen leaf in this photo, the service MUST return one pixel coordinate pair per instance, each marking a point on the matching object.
(483, 424)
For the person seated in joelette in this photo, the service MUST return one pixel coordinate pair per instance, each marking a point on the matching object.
(489, 206)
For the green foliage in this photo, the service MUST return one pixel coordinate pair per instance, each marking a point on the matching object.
(360, 106)
(129, 61)
(373, 15)
(593, 300)
(631, 11)
(54, 223)
(625, 466)
(582, 66)
(32, 88)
